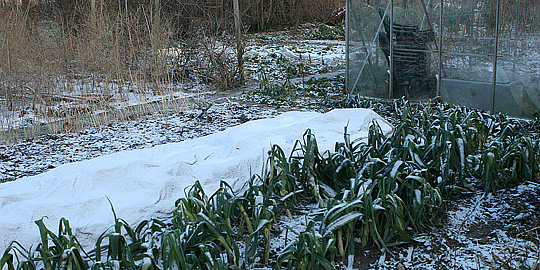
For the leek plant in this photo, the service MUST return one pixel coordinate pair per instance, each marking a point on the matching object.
(309, 251)
(61, 251)
(209, 222)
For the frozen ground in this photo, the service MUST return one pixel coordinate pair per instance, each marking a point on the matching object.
(483, 231)
(46, 152)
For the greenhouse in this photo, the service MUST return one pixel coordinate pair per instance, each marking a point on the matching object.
(481, 54)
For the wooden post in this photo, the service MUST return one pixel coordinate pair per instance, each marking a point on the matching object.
(155, 24)
(93, 18)
(239, 42)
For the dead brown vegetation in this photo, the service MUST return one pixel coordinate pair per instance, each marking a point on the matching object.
(513, 11)
(71, 58)
(53, 67)
(191, 16)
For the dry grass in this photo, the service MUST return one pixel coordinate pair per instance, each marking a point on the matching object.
(216, 15)
(511, 10)
(69, 64)
(56, 71)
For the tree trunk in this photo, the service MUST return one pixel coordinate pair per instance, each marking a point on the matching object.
(239, 42)
(155, 24)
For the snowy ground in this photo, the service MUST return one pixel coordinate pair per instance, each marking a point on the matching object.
(483, 231)
(46, 152)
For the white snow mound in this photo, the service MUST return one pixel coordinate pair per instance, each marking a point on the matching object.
(144, 184)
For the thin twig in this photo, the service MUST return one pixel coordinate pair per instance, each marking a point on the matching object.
(472, 210)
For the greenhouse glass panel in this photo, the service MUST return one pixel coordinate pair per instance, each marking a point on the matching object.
(481, 54)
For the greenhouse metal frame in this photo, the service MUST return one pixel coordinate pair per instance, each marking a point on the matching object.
(482, 54)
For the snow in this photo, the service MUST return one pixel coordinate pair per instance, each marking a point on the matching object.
(30, 157)
(145, 183)
(118, 97)
(275, 60)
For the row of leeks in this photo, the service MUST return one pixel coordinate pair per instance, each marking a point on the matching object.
(377, 189)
